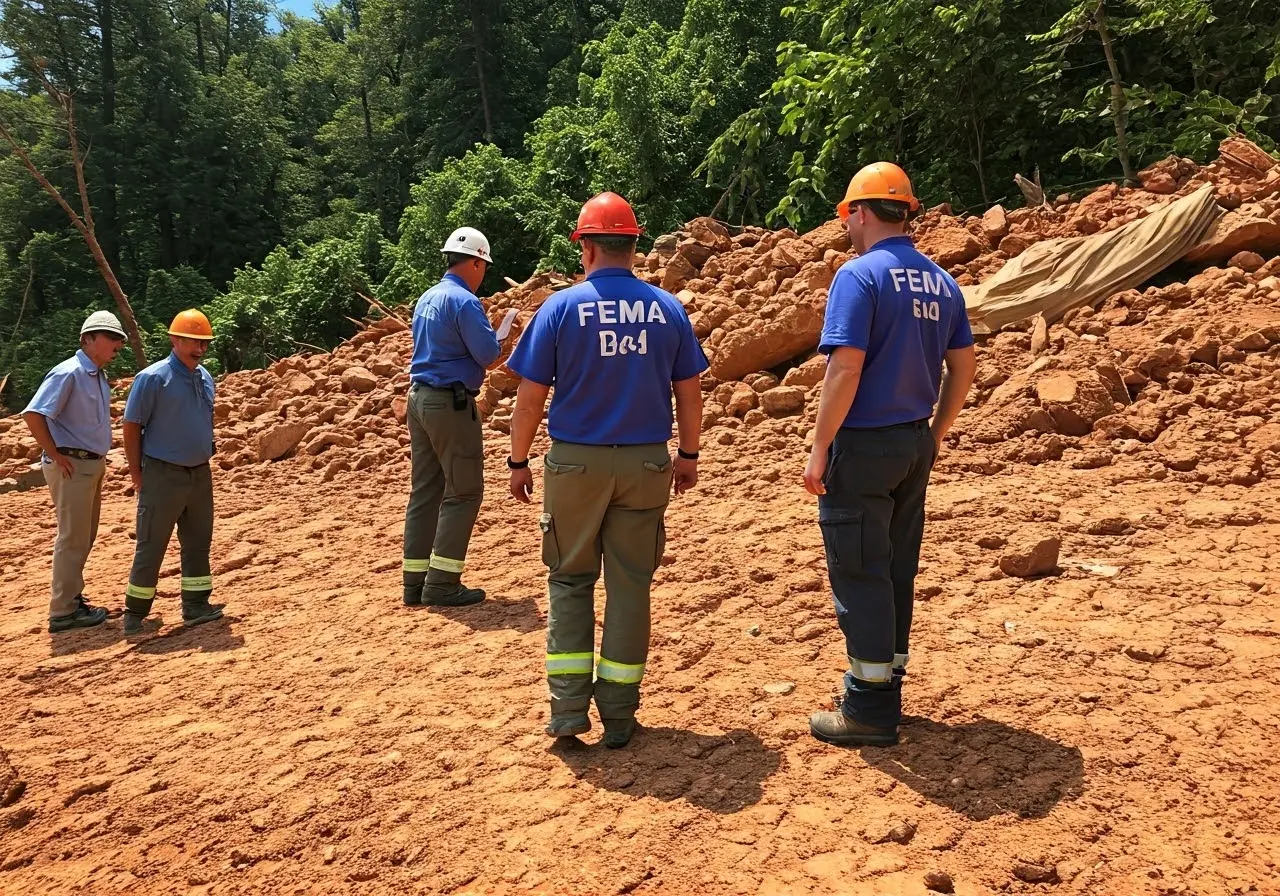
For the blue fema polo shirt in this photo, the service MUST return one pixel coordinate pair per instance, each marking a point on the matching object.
(612, 346)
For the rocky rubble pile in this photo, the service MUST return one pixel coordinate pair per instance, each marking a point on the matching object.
(1182, 375)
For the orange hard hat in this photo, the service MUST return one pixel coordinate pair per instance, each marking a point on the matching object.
(192, 324)
(879, 180)
(607, 214)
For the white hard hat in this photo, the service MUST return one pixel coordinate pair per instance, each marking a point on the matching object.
(467, 241)
(102, 322)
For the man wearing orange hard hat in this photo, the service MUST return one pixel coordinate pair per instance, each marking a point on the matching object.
(894, 319)
(168, 440)
(615, 348)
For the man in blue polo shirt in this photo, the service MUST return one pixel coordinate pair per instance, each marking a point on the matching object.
(168, 440)
(615, 348)
(453, 345)
(70, 418)
(893, 319)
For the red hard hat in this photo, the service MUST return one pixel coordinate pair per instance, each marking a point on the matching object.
(607, 214)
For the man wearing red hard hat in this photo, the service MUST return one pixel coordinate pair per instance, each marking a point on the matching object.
(614, 348)
(893, 319)
(168, 440)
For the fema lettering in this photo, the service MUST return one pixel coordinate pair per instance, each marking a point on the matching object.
(609, 311)
(925, 282)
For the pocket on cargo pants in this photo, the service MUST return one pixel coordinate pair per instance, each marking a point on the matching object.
(842, 537)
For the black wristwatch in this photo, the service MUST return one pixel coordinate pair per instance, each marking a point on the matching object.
(513, 465)
(687, 455)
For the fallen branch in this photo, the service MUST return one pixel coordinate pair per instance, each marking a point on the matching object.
(381, 307)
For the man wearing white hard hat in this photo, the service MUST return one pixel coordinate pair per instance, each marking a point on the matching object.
(70, 417)
(453, 345)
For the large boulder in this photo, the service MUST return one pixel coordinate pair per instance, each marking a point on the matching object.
(950, 245)
(359, 380)
(1075, 401)
(782, 401)
(793, 330)
(1246, 230)
(278, 441)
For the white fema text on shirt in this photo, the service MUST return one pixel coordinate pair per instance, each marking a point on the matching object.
(922, 282)
(610, 311)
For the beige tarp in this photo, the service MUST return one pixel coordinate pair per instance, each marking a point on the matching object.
(1054, 276)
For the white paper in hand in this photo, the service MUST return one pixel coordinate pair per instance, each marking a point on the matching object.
(504, 329)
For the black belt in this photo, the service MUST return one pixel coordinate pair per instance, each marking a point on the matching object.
(474, 393)
(79, 453)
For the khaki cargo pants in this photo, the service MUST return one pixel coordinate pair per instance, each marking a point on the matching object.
(601, 503)
(77, 504)
(172, 495)
(447, 487)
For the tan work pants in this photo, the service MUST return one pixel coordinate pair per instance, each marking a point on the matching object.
(77, 504)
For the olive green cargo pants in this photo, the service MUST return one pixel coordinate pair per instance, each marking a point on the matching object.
(447, 487)
(601, 503)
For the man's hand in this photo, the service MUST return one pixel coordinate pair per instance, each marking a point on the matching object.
(815, 471)
(522, 485)
(135, 473)
(684, 474)
(937, 441)
(64, 464)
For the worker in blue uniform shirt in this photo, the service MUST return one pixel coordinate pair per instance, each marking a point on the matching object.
(614, 348)
(168, 440)
(453, 345)
(894, 319)
(70, 418)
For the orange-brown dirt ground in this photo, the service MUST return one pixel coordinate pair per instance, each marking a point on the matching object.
(1107, 727)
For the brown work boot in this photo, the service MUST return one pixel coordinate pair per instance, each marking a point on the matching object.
(837, 728)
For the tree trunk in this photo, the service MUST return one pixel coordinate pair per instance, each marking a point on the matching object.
(229, 48)
(110, 225)
(1119, 110)
(200, 41)
(478, 35)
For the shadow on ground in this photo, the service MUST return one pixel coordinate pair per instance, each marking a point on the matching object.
(211, 637)
(496, 613)
(719, 772)
(982, 768)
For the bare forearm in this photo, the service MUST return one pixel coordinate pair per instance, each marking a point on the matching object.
(133, 445)
(839, 388)
(39, 427)
(689, 415)
(961, 369)
(531, 400)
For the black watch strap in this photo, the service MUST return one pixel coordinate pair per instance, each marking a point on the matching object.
(687, 455)
(513, 465)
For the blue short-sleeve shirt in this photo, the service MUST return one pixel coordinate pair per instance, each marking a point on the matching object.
(906, 313)
(611, 346)
(453, 341)
(174, 407)
(75, 398)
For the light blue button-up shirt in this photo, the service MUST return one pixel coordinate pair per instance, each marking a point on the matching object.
(453, 341)
(76, 400)
(174, 407)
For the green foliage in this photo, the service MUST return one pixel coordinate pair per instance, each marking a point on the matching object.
(270, 174)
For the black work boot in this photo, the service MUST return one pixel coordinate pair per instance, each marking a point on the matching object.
(568, 726)
(837, 728)
(413, 595)
(451, 595)
(196, 608)
(136, 609)
(618, 732)
(85, 616)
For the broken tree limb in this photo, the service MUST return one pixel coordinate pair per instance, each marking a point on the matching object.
(83, 221)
